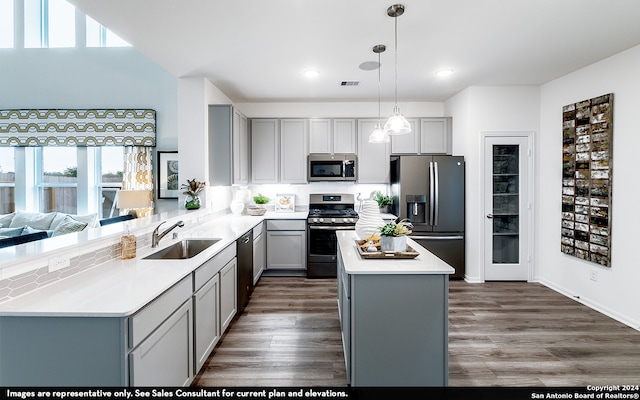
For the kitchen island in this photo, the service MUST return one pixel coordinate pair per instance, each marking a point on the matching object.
(393, 316)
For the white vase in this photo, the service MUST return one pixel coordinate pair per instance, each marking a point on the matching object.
(393, 243)
(236, 207)
(369, 219)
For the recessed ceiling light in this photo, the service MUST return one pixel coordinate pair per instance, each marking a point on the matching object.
(443, 73)
(311, 73)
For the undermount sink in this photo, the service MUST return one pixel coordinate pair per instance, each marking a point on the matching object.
(182, 250)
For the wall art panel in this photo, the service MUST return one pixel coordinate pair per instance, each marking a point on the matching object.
(586, 179)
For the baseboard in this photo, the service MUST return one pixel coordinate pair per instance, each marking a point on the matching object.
(591, 304)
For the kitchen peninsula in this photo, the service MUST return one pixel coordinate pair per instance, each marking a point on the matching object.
(116, 324)
(393, 316)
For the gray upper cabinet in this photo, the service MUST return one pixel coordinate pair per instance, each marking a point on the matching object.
(408, 143)
(428, 136)
(265, 150)
(279, 150)
(435, 136)
(373, 158)
(293, 150)
(228, 146)
(331, 136)
(344, 136)
(320, 136)
(241, 153)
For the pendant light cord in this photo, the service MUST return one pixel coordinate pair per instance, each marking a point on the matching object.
(396, 57)
(379, 68)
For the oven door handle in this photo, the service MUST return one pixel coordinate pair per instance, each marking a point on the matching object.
(332, 228)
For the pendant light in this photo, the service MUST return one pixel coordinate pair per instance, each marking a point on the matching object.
(379, 135)
(397, 124)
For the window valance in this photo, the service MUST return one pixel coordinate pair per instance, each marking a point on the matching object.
(108, 127)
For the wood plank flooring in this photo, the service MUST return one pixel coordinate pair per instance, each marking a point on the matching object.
(500, 334)
(289, 335)
(525, 334)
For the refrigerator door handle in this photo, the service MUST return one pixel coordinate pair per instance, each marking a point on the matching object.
(436, 208)
(431, 193)
(436, 237)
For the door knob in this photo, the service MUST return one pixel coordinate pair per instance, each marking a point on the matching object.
(490, 216)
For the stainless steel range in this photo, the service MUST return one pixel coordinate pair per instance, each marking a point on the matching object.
(328, 213)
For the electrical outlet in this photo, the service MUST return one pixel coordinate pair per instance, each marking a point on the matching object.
(594, 275)
(56, 263)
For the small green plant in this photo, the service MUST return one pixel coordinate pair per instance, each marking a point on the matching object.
(383, 200)
(261, 199)
(402, 228)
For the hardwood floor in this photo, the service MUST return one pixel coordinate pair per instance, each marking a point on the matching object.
(525, 334)
(289, 335)
(500, 334)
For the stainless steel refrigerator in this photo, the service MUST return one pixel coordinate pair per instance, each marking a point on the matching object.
(429, 192)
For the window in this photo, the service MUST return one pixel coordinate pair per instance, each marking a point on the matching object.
(99, 36)
(7, 180)
(6, 24)
(111, 172)
(59, 180)
(72, 180)
(49, 23)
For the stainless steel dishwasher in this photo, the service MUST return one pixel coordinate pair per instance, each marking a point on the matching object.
(244, 252)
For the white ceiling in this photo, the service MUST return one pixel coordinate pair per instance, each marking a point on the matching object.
(256, 50)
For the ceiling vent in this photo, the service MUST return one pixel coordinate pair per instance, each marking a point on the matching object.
(349, 83)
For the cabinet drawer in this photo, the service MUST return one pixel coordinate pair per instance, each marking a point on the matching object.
(286, 224)
(210, 268)
(145, 321)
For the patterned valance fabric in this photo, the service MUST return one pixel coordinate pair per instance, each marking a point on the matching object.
(109, 127)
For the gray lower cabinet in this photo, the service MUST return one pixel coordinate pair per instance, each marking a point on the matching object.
(228, 294)
(286, 244)
(165, 358)
(259, 252)
(207, 320)
(394, 328)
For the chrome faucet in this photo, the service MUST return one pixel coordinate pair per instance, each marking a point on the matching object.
(155, 237)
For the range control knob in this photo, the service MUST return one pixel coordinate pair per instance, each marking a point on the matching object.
(333, 220)
(315, 220)
(321, 220)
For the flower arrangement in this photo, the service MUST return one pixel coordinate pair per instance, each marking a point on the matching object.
(261, 199)
(393, 236)
(192, 188)
(402, 228)
(382, 200)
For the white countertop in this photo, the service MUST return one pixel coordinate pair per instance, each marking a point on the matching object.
(425, 263)
(119, 287)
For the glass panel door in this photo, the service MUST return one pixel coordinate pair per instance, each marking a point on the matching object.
(507, 168)
(505, 204)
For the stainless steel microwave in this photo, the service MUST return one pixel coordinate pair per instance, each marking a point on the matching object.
(332, 167)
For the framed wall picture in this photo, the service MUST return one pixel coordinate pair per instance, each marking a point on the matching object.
(168, 182)
(285, 202)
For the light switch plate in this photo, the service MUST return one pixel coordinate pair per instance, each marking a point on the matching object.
(594, 275)
(56, 263)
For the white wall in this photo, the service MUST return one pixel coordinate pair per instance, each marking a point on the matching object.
(616, 290)
(91, 78)
(480, 109)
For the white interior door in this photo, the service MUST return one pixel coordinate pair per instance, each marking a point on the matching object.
(508, 219)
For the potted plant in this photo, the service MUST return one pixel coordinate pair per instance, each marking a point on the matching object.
(393, 236)
(192, 189)
(259, 208)
(383, 201)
